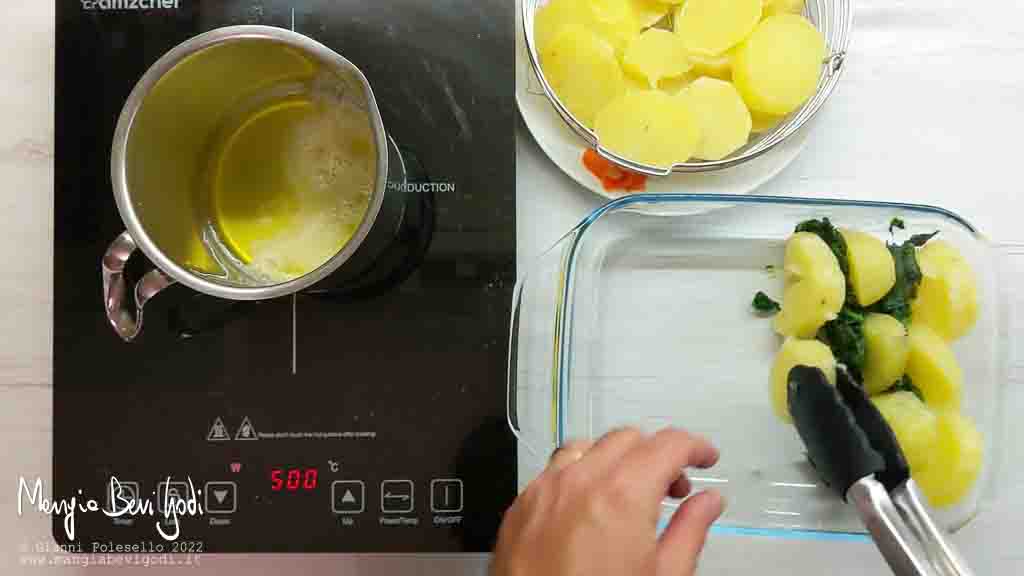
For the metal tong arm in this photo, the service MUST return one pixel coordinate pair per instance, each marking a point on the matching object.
(894, 540)
(939, 549)
(904, 532)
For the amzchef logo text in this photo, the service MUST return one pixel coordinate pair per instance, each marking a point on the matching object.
(130, 4)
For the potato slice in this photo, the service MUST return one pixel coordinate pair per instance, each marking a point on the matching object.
(583, 71)
(649, 12)
(761, 122)
(916, 427)
(872, 269)
(956, 464)
(676, 85)
(724, 118)
(947, 298)
(649, 127)
(815, 286)
(777, 67)
(551, 18)
(656, 54)
(796, 352)
(773, 7)
(612, 20)
(885, 341)
(718, 66)
(634, 84)
(712, 26)
(932, 367)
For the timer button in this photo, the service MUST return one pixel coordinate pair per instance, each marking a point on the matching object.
(122, 493)
(348, 496)
(221, 497)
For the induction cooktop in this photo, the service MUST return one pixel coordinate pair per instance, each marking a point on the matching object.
(362, 416)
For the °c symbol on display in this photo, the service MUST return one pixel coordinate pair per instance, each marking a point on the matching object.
(246, 431)
(218, 432)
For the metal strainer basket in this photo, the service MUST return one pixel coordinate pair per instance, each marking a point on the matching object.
(834, 18)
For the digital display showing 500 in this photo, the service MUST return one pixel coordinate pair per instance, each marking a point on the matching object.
(293, 479)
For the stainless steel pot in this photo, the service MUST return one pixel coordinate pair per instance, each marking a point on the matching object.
(175, 106)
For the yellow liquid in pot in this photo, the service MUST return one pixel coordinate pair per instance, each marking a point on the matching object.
(289, 183)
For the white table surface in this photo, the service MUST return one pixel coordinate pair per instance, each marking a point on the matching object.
(930, 110)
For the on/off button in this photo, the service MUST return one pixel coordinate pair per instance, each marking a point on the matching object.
(446, 495)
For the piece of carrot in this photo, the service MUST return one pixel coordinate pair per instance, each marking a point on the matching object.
(611, 176)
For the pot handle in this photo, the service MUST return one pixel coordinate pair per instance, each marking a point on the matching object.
(125, 323)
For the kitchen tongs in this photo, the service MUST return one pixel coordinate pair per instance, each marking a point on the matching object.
(856, 453)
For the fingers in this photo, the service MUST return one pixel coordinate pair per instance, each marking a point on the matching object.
(683, 539)
(568, 453)
(609, 451)
(660, 461)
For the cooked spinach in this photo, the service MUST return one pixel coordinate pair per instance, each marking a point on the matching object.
(845, 336)
(896, 223)
(830, 234)
(921, 239)
(908, 276)
(765, 305)
(906, 385)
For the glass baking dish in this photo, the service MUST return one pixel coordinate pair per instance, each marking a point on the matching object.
(641, 315)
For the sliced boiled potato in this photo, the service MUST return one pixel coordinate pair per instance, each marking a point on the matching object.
(656, 54)
(793, 353)
(886, 350)
(777, 67)
(677, 84)
(956, 465)
(711, 27)
(773, 7)
(933, 368)
(551, 18)
(649, 12)
(583, 71)
(724, 118)
(872, 269)
(634, 84)
(717, 66)
(761, 122)
(947, 298)
(650, 127)
(915, 426)
(815, 286)
(615, 21)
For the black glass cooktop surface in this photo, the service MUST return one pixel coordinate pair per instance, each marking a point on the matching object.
(363, 417)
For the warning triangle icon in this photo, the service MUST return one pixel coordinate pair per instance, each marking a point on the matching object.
(246, 431)
(218, 432)
(348, 498)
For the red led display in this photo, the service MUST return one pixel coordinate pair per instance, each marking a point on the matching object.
(293, 479)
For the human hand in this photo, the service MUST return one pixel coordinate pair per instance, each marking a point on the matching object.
(594, 510)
